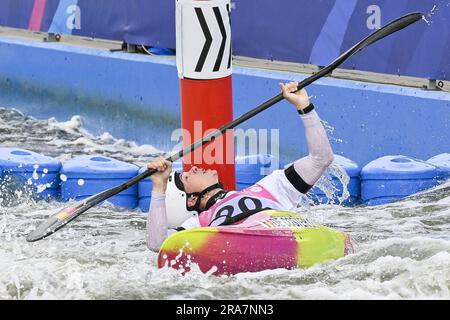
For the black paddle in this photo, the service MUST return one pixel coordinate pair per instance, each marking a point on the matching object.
(60, 219)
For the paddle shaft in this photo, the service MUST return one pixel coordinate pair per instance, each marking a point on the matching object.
(55, 222)
(396, 25)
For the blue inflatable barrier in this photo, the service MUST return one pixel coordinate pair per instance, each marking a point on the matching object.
(25, 168)
(391, 178)
(336, 184)
(251, 169)
(146, 186)
(442, 162)
(84, 176)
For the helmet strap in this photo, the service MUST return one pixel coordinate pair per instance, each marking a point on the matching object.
(211, 201)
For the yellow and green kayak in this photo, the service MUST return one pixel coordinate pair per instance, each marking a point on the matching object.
(270, 239)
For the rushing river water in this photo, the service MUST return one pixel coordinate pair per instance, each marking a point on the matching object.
(403, 249)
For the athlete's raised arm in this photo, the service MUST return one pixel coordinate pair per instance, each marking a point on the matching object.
(307, 170)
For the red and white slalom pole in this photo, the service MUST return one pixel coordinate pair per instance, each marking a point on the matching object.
(204, 66)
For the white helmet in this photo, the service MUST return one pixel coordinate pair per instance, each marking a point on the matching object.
(176, 209)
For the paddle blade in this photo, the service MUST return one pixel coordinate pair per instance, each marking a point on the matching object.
(56, 222)
(390, 28)
(63, 217)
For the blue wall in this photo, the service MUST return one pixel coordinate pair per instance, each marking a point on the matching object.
(137, 98)
(115, 92)
(318, 30)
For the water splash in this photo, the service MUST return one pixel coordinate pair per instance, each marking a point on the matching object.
(15, 191)
(330, 130)
(333, 184)
(433, 11)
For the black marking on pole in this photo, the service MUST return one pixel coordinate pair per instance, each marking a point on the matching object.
(208, 41)
(224, 38)
(229, 18)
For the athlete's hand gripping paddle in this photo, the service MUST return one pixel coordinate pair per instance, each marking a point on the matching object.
(63, 217)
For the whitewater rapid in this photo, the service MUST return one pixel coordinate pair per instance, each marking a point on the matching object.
(402, 251)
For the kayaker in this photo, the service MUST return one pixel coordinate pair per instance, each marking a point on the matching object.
(197, 199)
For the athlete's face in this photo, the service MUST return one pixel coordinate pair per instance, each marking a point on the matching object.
(197, 179)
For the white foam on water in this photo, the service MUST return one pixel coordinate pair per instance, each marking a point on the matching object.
(403, 249)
